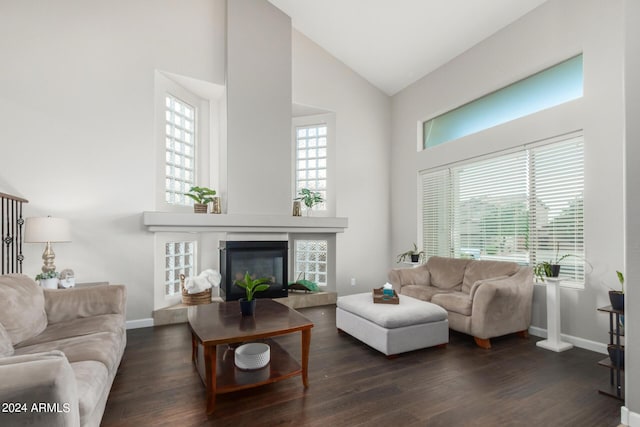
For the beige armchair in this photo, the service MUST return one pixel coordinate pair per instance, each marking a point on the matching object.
(485, 299)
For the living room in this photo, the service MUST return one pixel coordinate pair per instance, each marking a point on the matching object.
(80, 137)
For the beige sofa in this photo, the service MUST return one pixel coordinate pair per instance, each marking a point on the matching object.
(484, 299)
(59, 351)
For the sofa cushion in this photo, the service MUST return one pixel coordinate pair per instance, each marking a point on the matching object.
(456, 302)
(446, 273)
(410, 311)
(105, 347)
(481, 270)
(79, 327)
(22, 313)
(424, 293)
(6, 348)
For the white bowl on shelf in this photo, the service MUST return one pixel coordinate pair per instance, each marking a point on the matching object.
(254, 355)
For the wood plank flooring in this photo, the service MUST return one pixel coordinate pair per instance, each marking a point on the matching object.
(513, 384)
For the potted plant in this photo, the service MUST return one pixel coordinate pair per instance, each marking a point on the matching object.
(251, 286)
(413, 254)
(617, 297)
(309, 198)
(550, 268)
(48, 279)
(201, 196)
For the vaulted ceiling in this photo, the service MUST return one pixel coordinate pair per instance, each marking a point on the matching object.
(393, 43)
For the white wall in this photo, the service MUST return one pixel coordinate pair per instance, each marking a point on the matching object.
(632, 209)
(362, 156)
(76, 101)
(258, 108)
(555, 31)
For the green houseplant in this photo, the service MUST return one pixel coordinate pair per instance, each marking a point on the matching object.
(48, 279)
(201, 196)
(550, 268)
(413, 254)
(251, 286)
(617, 297)
(309, 198)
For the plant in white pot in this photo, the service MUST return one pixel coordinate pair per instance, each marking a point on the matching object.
(251, 286)
(48, 279)
(201, 197)
(309, 198)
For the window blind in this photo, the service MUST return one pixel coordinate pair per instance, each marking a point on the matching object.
(525, 207)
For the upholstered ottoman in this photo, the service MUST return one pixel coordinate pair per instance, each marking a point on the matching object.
(393, 328)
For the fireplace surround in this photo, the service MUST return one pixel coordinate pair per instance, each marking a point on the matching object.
(258, 258)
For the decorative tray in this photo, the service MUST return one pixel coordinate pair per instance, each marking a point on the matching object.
(380, 298)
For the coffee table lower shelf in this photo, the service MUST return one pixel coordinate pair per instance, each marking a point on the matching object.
(229, 378)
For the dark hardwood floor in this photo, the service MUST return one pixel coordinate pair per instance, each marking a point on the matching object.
(513, 384)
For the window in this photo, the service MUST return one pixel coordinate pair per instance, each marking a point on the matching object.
(525, 206)
(311, 261)
(554, 86)
(179, 259)
(311, 160)
(180, 140)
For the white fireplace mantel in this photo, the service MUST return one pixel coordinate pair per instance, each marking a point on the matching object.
(194, 223)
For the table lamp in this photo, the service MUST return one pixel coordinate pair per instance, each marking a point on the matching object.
(47, 230)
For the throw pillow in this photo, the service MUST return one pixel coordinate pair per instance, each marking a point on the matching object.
(21, 307)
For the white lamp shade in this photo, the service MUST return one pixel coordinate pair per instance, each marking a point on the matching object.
(46, 229)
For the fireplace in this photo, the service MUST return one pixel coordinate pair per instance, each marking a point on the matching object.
(259, 259)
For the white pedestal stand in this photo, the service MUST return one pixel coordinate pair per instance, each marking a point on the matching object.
(553, 341)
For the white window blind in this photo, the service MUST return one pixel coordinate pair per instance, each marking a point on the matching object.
(525, 207)
(557, 206)
(490, 209)
(436, 221)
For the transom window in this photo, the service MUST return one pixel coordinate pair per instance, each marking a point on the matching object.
(179, 259)
(525, 206)
(180, 141)
(311, 160)
(554, 86)
(311, 261)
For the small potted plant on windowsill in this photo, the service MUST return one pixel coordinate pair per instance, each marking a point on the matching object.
(251, 286)
(309, 198)
(201, 196)
(413, 254)
(48, 279)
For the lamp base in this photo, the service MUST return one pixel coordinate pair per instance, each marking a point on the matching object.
(48, 256)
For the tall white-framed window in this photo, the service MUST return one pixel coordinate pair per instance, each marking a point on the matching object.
(313, 155)
(311, 260)
(175, 254)
(179, 258)
(525, 206)
(180, 150)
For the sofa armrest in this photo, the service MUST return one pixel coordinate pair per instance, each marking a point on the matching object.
(68, 304)
(400, 277)
(502, 306)
(38, 390)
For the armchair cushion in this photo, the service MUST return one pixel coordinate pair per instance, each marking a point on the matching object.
(456, 302)
(481, 270)
(67, 304)
(446, 273)
(6, 348)
(22, 313)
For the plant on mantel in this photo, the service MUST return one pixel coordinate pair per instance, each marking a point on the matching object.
(309, 198)
(201, 196)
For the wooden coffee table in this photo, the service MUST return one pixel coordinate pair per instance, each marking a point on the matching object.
(215, 325)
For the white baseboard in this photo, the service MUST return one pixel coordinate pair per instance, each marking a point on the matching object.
(629, 418)
(139, 323)
(598, 347)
